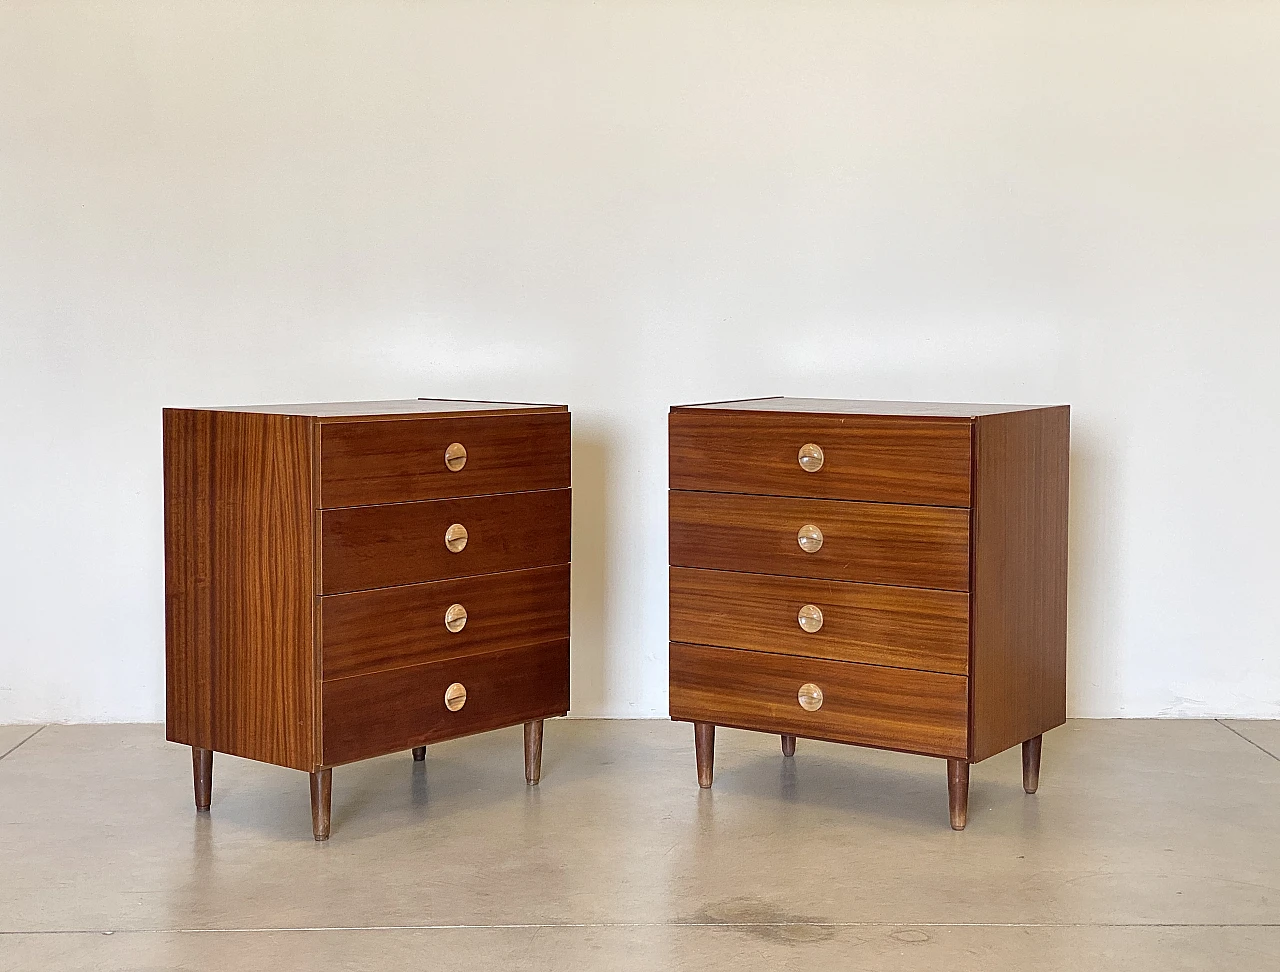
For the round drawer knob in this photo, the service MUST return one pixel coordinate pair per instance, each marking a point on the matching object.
(810, 618)
(809, 538)
(809, 697)
(811, 457)
(455, 538)
(455, 697)
(455, 457)
(455, 618)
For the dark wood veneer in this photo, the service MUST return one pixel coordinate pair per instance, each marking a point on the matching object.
(385, 546)
(1019, 578)
(238, 584)
(396, 627)
(878, 543)
(368, 715)
(867, 457)
(398, 462)
(870, 623)
(306, 637)
(890, 708)
(934, 616)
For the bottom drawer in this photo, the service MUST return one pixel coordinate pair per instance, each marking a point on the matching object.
(370, 715)
(891, 708)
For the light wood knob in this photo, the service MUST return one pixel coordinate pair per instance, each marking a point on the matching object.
(455, 457)
(811, 457)
(455, 696)
(809, 538)
(455, 538)
(455, 618)
(809, 697)
(810, 618)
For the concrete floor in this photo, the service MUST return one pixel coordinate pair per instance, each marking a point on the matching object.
(1151, 845)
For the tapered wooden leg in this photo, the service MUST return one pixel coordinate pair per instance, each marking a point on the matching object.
(321, 803)
(788, 745)
(704, 750)
(1031, 764)
(202, 773)
(533, 752)
(958, 792)
(419, 753)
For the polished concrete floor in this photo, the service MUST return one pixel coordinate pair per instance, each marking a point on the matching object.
(1151, 845)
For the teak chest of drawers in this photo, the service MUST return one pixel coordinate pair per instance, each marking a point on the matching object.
(879, 573)
(349, 580)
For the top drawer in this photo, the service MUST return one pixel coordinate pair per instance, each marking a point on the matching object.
(368, 463)
(876, 458)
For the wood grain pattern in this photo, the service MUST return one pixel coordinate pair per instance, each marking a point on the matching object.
(879, 543)
(239, 584)
(384, 546)
(1019, 602)
(368, 715)
(866, 457)
(889, 708)
(395, 627)
(397, 462)
(901, 627)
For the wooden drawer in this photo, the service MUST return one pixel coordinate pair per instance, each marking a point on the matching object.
(372, 631)
(879, 458)
(369, 715)
(902, 627)
(879, 543)
(367, 463)
(382, 546)
(891, 708)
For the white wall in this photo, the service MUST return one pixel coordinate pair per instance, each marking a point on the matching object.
(623, 205)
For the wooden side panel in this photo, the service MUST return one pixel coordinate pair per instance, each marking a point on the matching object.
(239, 584)
(365, 463)
(902, 627)
(396, 627)
(188, 581)
(1019, 602)
(370, 715)
(877, 458)
(890, 708)
(877, 543)
(365, 547)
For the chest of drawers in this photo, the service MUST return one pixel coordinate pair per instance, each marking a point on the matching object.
(876, 573)
(350, 580)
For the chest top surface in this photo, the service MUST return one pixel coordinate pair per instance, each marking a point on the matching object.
(401, 408)
(842, 406)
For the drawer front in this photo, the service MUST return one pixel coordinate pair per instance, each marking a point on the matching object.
(372, 631)
(892, 708)
(883, 459)
(405, 543)
(877, 543)
(903, 627)
(386, 712)
(367, 463)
